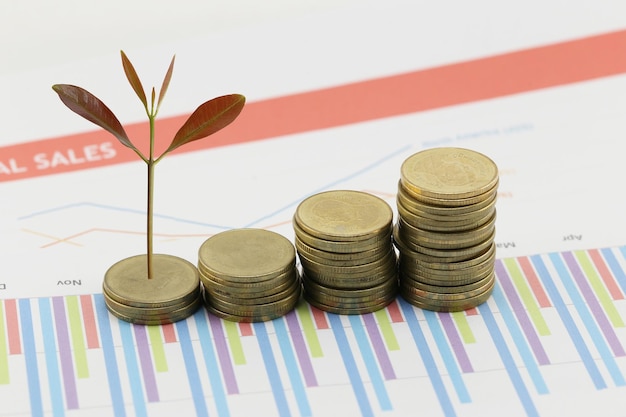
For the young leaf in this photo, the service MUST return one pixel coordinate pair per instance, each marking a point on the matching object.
(208, 118)
(166, 82)
(85, 104)
(133, 79)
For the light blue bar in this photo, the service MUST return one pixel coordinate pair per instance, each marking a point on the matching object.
(134, 376)
(293, 370)
(427, 358)
(211, 364)
(568, 321)
(110, 360)
(443, 346)
(191, 366)
(507, 360)
(52, 360)
(271, 369)
(30, 357)
(519, 340)
(583, 311)
(370, 363)
(623, 250)
(348, 362)
(618, 273)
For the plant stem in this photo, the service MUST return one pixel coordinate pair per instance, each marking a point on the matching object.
(150, 208)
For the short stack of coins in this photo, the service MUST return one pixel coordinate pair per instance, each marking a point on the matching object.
(173, 292)
(446, 227)
(343, 240)
(249, 275)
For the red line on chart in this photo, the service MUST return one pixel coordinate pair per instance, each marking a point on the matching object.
(479, 79)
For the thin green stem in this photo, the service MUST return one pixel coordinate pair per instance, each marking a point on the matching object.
(150, 208)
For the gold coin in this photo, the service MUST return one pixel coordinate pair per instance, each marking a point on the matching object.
(246, 254)
(258, 317)
(144, 317)
(404, 197)
(417, 217)
(384, 263)
(282, 306)
(448, 240)
(444, 280)
(237, 290)
(260, 299)
(464, 288)
(449, 173)
(342, 259)
(340, 309)
(487, 256)
(365, 244)
(447, 306)
(355, 294)
(148, 311)
(174, 281)
(343, 215)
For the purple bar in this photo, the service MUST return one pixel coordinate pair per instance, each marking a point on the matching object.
(303, 356)
(145, 359)
(379, 346)
(222, 353)
(521, 313)
(65, 353)
(594, 304)
(456, 343)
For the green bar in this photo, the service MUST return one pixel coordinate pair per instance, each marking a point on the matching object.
(460, 319)
(526, 294)
(158, 352)
(78, 338)
(599, 288)
(385, 327)
(234, 340)
(309, 330)
(4, 354)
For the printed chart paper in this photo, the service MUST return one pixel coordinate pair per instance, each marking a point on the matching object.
(549, 342)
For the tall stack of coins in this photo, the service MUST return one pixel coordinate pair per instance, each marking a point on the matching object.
(343, 239)
(249, 275)
(172, 293)
(446, 227)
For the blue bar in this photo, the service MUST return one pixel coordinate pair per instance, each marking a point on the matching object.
(297, 383)
(569, 323)
(52, 360)
(272, 370)
(443, 346)
(583, 311)
(520, 341)
(192, 368)
(427, 358)
(211, 364)
(30, 357)
(623, 250)
(110, 360)
(134, 376)
(507, 360)
(348, 361)
(618, 273)
(370, 363)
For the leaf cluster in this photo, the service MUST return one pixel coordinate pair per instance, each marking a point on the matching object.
(208, 118)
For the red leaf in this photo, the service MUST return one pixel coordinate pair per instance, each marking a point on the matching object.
(166, 81)
(133, 79)
(85, 104)
(208, 118)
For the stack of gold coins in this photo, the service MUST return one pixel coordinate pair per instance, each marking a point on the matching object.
(249, 275)
(172, 293)
(446, 227)
(343, 239)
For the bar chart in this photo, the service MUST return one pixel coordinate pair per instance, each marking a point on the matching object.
(550, 315)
